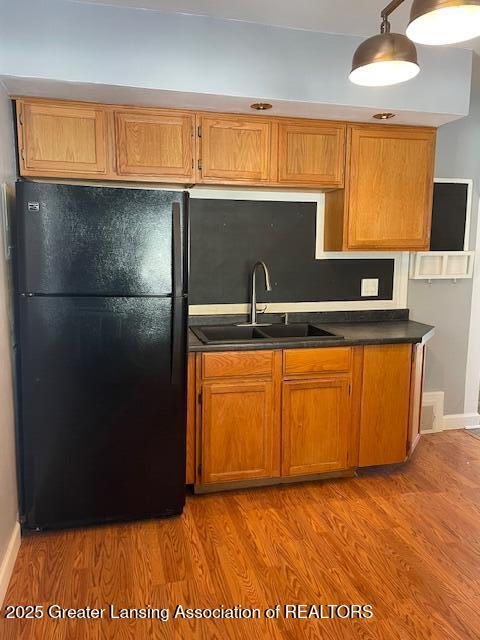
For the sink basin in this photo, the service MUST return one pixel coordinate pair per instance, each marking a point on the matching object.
(227, 333)
(231, 334)
(296, 331)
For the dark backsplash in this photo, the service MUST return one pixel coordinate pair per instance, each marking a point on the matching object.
(229, 236)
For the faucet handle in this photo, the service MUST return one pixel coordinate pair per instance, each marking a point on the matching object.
(285, 318)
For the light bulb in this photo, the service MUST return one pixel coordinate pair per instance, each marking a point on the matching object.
(382, 74)
(446, 25)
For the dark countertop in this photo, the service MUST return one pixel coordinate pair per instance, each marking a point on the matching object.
(355, 333)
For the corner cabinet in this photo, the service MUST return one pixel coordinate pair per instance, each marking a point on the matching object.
(63, 140)
(387, 201)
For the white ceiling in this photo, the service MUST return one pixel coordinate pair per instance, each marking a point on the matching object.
(354, 17)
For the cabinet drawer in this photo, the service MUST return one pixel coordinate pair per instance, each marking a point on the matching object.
(231, 364)
(299, 361)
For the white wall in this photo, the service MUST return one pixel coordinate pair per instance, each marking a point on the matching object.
(99, 44)
(446, 305)
(8, 489)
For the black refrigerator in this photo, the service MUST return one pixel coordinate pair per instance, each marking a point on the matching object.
(101, 325)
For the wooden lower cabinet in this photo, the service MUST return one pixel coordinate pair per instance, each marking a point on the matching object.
(385, 404)
(266, 415)
(191, 421)
(416, 393)
(240, 433)
(316, 425)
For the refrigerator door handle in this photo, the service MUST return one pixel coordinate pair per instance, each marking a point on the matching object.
(178, 343)
(177, 249)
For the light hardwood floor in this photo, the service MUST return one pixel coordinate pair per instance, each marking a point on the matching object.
(406, 541)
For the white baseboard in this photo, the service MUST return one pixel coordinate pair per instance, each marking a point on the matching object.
(8, 561)
(434, 421)
(461, 421)
(432, 412)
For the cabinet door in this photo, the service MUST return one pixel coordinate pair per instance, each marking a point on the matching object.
(416, 393)
(62, 140)
(316, 426)
(311, 154)
(155, 145)
(191, 421)
(385, 404)
(240, 434)
(235, 149)
(390, 187)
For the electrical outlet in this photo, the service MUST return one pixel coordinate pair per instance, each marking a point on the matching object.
(369, 287)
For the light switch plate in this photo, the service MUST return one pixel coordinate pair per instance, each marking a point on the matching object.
(369, 287)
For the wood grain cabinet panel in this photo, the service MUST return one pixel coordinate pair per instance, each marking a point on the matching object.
(229, 364)
(240, 433)
(416, 393)
(387, 201)
(390, 187)
(235, 149)
(310, 361)
(311, 153)
(316, 426)
(62, 140)
(155, 145)
(191, 420)
(385, 407)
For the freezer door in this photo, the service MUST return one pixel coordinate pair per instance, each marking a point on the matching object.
(102, 411)
(81, 240)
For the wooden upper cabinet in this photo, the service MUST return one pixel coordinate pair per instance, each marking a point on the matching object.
(311, 153)
(317, 430)
(62, 139)
(385, 412)
(235, 149)
(387, 202)
(391, 187)
(386, 171)
(240, 431)
(155, 144)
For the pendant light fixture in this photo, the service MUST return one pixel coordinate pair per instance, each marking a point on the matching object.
(385, 59)
(391, 58)
(444, 21)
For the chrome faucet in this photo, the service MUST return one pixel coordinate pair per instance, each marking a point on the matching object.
(253, 309)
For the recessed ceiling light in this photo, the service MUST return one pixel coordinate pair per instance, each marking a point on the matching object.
(384, 116)
(261, 106)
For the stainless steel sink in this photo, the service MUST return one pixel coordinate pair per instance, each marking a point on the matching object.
(231, 334)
